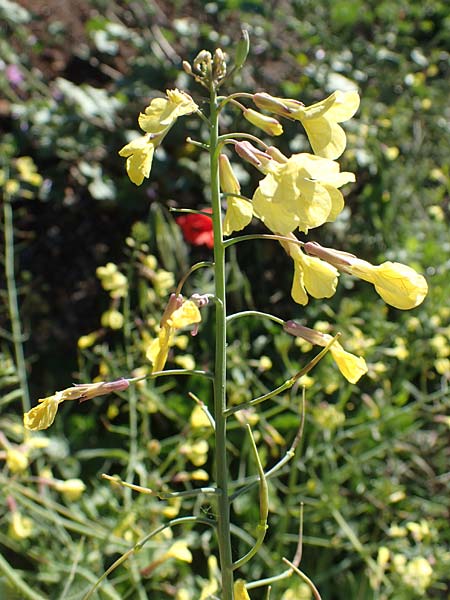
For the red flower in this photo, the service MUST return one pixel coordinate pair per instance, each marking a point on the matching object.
(197, 229)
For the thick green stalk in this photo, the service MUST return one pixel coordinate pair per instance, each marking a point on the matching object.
(13, 304)
(221, 466)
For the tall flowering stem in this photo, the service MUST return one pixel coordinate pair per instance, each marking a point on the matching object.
(220, 371)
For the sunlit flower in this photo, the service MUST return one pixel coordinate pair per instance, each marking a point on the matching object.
(112, 318)
(300, 193)
(139, 154)
(417, 574)
(179, 313)
(156, 121)
(311, 275)
(20, 527)
(197, 229)
(320, 120)
(112, 280)
(239, 211)
(327, 416)
(352, 367)
(196, 452)
(16, 459)
(43, 415)
(180, 551)
(398, 285)
(71, 489)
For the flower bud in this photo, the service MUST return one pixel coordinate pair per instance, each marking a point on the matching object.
(251, 154)
(219, 65)
(279, 106)
(267, 124)
(242, 49)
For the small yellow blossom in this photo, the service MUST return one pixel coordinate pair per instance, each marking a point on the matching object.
(163, 281)
(112, 280)
(327, 416)
(211, 587)
(199, 475)
(311, 275)
(88, 340)
(71, 489)
(417, 574)
(156, 121)
(397, 284)
(180, 551)
(239, 211)
(112, 318)
(300, 193)
(43, 415)
(352, 367)
(185, 361)
(16, 460)
(198, 419)
(20, 527)
(171, 510)
(320, 120)
(28, 171)
(383, 556)
(196, 452)
(179, 313)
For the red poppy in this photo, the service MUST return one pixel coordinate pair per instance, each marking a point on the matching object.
(197, 229)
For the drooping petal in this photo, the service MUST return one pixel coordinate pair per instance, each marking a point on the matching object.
(187, 314)
(239, 214)
(42, 415)
(139, 153)
(352, 367)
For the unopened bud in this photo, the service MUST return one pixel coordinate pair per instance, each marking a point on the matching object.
(251, 154)
(242, 48)
(279, 106)
(228, 180)
(219, 68)
(187, 67)
(267, 124)
(202, 62)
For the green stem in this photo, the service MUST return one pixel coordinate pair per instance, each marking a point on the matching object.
(13, 304)
(16, 582)
(255, 313)
(221, 466)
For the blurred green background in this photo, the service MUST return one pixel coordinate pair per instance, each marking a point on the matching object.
(74, 75)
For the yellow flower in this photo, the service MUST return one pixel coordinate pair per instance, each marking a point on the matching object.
(112, 280)
(16, 460)
(28, 171)
(139, 154)
(311, 275)
(43, 415)
(320, 120)
(180, 551)
(20, 527)
(300, 193)
(240, 593)
(398, 285)
(352, 367)
(196, 452)
(179, 313)
(162, 113)
(113, 319)
(239, 211)
(156, 121)
(417, 574)
(71, 489)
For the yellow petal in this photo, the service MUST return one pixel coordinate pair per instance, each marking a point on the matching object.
(239, 214)
(158, 351)
(320, 277)
(229, 183)
(162, 113)
(268, 124)
(180, 551)
(187, 314)
(139, 153)
(274, 215)
(42, 415)
(398, 285)
(327, 139)
(240, 593)
(352, 367)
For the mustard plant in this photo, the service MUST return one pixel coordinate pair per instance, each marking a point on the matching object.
(298, 192)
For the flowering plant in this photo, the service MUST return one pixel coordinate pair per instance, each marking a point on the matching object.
(299, 192)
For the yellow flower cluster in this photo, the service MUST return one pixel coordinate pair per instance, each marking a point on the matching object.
(156, 120)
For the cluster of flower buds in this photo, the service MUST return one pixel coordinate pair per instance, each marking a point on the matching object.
(208, 68)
